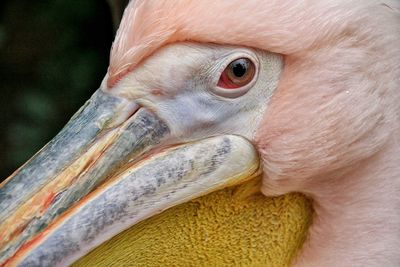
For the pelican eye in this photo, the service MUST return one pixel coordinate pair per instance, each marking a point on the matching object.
(238, 73)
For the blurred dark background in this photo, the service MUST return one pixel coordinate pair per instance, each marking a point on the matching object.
(53, 56)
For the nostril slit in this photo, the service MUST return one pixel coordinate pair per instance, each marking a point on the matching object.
(127, 112)
(131, 109)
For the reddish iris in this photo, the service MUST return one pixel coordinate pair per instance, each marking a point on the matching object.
(237, 74)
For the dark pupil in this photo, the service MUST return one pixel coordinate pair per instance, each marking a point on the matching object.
(239, 67)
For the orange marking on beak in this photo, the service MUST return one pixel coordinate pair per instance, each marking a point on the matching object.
(48, 202)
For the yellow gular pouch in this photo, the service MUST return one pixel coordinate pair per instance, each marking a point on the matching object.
(235, 226)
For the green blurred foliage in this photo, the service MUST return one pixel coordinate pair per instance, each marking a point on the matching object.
(53, 56)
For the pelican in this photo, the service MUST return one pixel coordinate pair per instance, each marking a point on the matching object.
(201, 96)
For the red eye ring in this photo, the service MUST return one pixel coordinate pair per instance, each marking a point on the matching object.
(238, 73)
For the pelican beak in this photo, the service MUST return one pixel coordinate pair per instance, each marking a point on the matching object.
(112, 165)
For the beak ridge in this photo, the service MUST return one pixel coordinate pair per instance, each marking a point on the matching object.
(104, 172)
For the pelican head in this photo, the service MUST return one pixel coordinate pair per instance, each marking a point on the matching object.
(200, 96)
